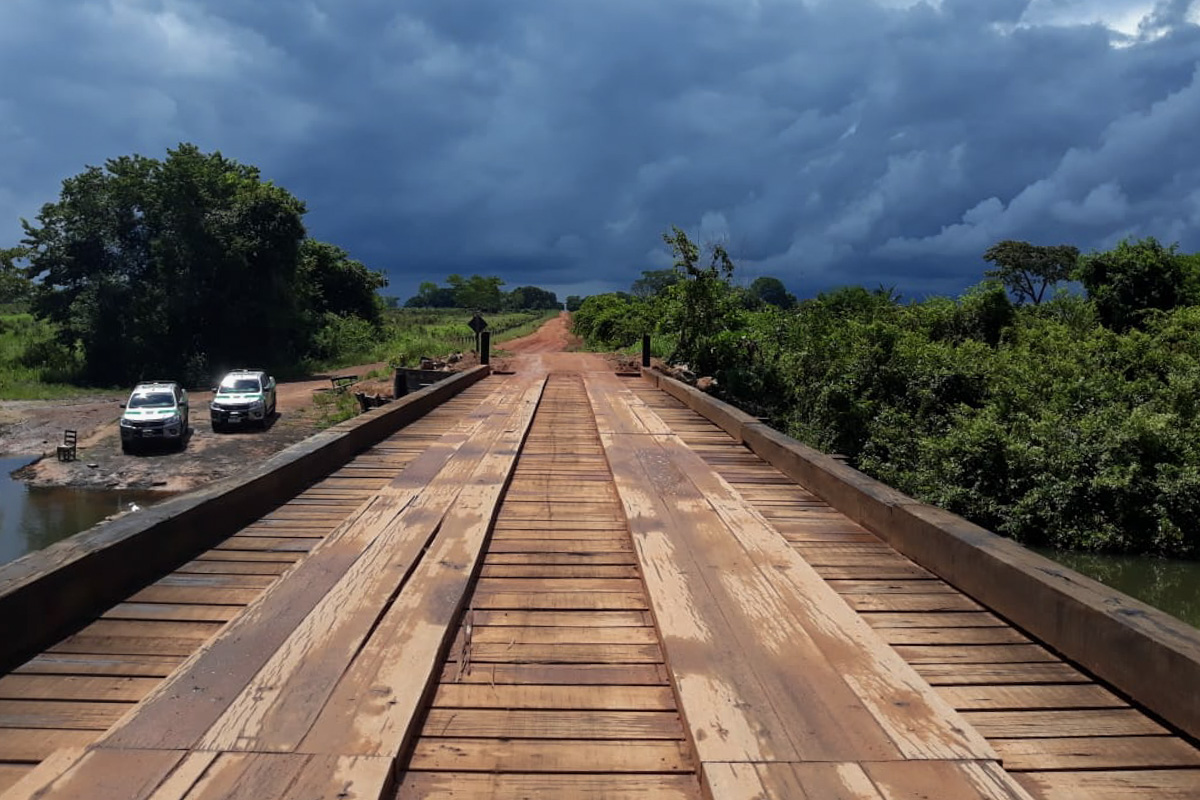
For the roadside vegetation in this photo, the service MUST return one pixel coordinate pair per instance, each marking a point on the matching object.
(1059, 413)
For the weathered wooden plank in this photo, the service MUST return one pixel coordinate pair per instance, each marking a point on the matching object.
(546, 786)
(1043, 724)
(784, 781)
(1165, 784)
(575, 698)
(1001, 698)
(519, 724)
(566, 634)
(1097, 752)
(74, 687)
(579, 755)
(38, 744)
(150, 666)
(610, 674)
(67, 714)
(96, 775)
(951, 674)
(945, 779)
(564, 653)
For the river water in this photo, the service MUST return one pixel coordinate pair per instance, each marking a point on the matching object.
(33, 518)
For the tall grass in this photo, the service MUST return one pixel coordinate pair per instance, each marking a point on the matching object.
(411, 334)
(32, 365)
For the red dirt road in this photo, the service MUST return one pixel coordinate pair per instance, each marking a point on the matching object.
(550, 349)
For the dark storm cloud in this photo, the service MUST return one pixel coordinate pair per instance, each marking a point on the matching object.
(552, 142)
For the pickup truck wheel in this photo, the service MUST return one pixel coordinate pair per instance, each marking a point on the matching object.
(216, 426)
(126, 447)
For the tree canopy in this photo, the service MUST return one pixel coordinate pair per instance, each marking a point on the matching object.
(154, 268)
(481, 293)
(1028, 270)
(772, 291)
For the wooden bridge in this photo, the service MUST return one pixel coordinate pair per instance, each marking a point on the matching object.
(576, 584)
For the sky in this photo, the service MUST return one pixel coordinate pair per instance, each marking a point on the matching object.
(552, 142)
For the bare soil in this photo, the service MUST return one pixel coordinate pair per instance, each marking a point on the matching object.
(36, 427)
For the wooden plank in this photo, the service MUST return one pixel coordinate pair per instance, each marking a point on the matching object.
(950, 674)
(566, 674)
(492, 724)
(565, 653)
(574, 698)
(785, 781)
(912, 779)
(172, 612)
(149, 666)
(38, 744)
(10, 774)
(567, 634)
(579, 755)
(1043, 724)
(546, 786)
(1000, 698)
(951, 636)
(1096, 752)
(74, 687)
(96, 775)
(73, 715)
(974, 654)
(1167, 784)
(482, 618)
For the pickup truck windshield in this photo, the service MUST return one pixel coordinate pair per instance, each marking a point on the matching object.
(241, 385)
(153, 400)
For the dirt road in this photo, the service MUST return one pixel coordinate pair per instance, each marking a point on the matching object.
(550, 347)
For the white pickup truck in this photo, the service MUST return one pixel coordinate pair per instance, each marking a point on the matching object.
(244, 397)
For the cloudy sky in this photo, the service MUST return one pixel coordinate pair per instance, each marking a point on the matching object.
(827, 142)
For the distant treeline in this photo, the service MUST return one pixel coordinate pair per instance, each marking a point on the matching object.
(481, 293)
(1058, 413)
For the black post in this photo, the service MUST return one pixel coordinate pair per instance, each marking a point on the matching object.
(485, 347)
(646, 350)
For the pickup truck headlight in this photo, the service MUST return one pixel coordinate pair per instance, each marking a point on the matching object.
(174, 419)
(257, 405)
(126, 423)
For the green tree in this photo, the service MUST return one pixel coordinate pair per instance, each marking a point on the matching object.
(1028, 270)
(477, 292)
(15, 287)
(701, 305)
(152, 268)
(772, 291)
(654, 281)
(430, 295)
(574, 301)
(531, 298)
(1133, 278)
(337, 284)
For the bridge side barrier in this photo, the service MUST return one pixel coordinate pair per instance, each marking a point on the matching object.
(1145, 653)
(47, 594)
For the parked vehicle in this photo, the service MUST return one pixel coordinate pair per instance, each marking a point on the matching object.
(155, 411)
(244, 397)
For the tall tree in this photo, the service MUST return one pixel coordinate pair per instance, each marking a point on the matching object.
(1132, 278)
(477, 292)
(15, 287)
(1028, 270)
(151, 266)
(654, 281)
(771, 290)
(531, 298)
(574, 301)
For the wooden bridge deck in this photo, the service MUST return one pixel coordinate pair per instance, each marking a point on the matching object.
(569, 586)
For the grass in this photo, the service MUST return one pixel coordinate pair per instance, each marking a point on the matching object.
(411, 334)
(334, 407)
(32, 366)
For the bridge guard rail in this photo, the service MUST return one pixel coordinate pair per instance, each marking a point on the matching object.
(1145, 653)
(47, 594)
